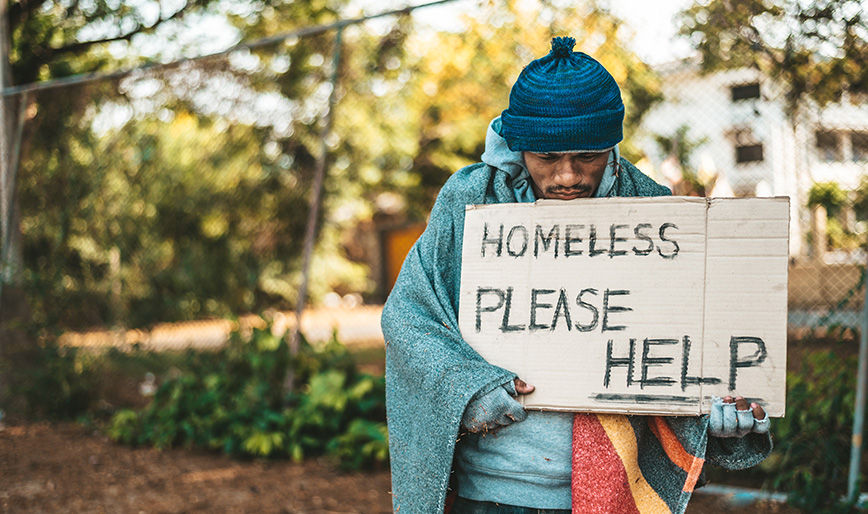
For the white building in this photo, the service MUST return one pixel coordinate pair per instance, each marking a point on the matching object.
(750, 144)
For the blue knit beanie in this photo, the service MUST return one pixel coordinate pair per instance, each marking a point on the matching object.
(563, 102)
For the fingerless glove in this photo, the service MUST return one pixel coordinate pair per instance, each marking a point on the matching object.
(493, 409)
(727, 421)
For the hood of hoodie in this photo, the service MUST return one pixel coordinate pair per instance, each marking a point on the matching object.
(498, 155)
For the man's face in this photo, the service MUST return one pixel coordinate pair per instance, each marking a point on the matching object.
(565, 176)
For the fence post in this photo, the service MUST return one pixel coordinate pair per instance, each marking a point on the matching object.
(313, 213)
(859, 415)
(7, 178)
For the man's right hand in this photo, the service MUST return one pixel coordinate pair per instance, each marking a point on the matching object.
(498, 408)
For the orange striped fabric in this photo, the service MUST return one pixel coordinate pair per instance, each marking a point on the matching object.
(675, 451)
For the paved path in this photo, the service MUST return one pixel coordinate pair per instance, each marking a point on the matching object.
(359, 326)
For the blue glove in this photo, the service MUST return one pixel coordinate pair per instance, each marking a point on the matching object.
(726, 421)
(493, 410)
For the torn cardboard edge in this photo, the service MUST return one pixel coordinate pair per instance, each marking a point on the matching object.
(631, 305)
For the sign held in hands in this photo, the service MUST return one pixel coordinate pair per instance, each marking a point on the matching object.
(631, 305)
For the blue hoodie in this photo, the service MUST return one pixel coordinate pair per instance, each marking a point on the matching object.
(526, 463)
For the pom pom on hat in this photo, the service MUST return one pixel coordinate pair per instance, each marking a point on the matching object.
(564, 101)
(563, 46)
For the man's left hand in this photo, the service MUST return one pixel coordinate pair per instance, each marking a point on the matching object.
(734, 417)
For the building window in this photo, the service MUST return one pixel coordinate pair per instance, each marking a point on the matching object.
(859, 141)
(841, 146)
(749, 153)
(745, 91)
(829, 146)
(748, 147)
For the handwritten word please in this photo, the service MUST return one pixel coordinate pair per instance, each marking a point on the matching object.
(541, 299)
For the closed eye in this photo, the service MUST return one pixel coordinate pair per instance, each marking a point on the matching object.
(588, 157)
(547, 156)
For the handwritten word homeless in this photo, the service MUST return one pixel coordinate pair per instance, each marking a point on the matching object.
(580, 240)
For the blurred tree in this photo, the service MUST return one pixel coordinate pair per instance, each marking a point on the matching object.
(42, 40)
(815, 49)
(186, 189)
(860, 200)
(837, 205)
(182, 192)
(437, 92)
(679, 147)
(193, 212)
(829, 195)
(52, 39)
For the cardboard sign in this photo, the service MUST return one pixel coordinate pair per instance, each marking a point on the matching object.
(631, 305)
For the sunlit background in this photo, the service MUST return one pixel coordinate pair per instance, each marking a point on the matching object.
(160, 184)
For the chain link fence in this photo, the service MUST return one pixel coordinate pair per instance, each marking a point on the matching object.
(151, 202)
(731, 134)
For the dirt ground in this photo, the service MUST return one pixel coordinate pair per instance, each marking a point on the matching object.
(67, 468)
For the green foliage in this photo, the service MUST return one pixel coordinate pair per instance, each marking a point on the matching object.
(829, 195)
(51, 382)
(155, 232)
(840, 237)
(812, 443)
(364, 443)
(860, 200)
(681, 146)
(165, 198)
(835, 200)
(234, 401)
(815, 49)
(175, 195)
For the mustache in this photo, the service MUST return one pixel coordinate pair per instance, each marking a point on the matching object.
(577, 189)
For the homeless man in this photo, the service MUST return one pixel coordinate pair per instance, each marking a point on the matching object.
(558, 139)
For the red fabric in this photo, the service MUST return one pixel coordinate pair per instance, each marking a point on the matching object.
(450, 499)
(599, 482)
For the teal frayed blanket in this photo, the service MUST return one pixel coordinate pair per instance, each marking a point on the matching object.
(432, 374)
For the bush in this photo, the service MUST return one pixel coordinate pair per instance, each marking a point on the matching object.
(48, 381)
(812, 443)
(235, 401)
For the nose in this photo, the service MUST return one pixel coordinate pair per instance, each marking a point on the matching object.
(568, 172)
